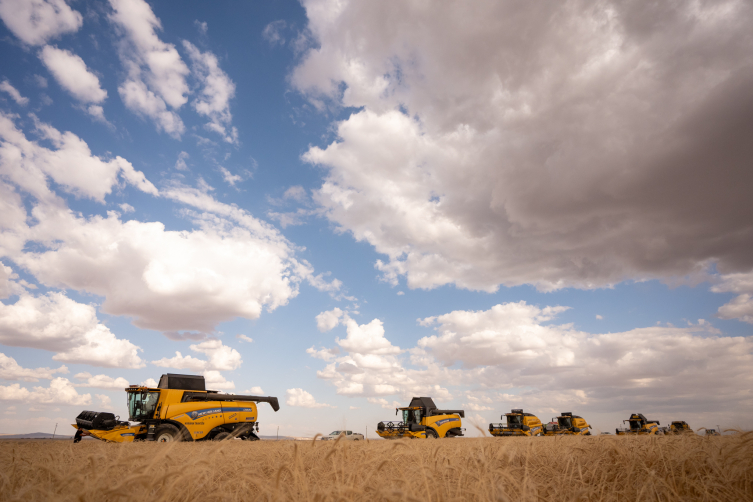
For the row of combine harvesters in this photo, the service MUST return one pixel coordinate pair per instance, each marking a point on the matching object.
(422, 419)
(520, 423)
(180, 408)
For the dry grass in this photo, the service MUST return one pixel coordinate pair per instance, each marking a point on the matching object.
(557, 469)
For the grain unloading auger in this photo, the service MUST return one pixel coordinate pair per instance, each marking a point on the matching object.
(422, 419)
(180, 408)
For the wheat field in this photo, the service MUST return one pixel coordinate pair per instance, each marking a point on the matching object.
(484, 469)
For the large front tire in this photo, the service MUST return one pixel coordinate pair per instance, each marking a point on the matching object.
(167, 433)
(431, 434)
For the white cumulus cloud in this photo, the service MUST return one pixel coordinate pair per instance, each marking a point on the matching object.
(219, 357)
(230, 265)
(6, 86)
(69, 163)
(328, 319)
(71, 73)
(101, 381)
(216, 92)
(489, 149)
(740, 307)
(303, 399)
(156, 73)
(105, 402)
(36, 21)
(55, 322)
(60, 391)
(11, 370)
(516, 354)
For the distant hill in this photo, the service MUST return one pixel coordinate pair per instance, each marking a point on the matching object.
(34, 435)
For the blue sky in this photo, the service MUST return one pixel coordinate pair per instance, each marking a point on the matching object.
(345, 204)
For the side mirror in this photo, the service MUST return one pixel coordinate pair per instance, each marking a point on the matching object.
(396, 410)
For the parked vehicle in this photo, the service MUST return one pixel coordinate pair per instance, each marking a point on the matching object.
(346, 436)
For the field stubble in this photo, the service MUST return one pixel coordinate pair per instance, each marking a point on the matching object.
(484, 469)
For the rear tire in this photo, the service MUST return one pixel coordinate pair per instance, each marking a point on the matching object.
(221, 436)
(167, 433)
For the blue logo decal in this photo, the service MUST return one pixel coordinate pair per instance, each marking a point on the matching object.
(444, 421)
(200, 413)
(128, 434)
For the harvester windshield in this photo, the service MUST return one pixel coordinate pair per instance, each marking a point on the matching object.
(565, 422)
(141, 405)
(412, 416)
(514, 420)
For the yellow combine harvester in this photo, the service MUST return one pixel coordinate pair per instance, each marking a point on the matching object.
(679, 427)
(639, 425)
(567, 424)
(422, 419)
(179, 409)
(518, 424)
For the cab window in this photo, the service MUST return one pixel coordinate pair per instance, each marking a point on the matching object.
(141, 405)
(565, 422)
(514, 419)
(412, 416)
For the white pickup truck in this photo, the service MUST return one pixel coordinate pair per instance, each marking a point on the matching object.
(346, 435)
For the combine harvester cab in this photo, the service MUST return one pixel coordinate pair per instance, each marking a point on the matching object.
(640, 425)
(422, 419)
(179, 409)
(679, 427)
(567, 424)
(518, 424)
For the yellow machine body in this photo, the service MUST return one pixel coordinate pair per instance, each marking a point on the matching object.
(193, 414)
(639, 426)
(422, 420)
(199, 420)
(568, 424)
(679, 427)
(518, 423)
(118, 434)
